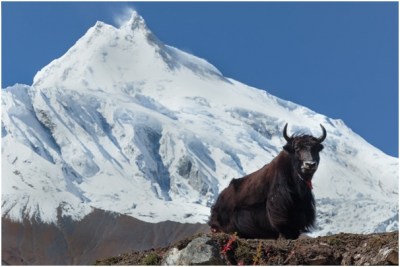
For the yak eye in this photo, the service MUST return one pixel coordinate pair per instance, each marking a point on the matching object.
(299, 147)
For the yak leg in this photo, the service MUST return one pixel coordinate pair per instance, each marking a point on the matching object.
(250, 222)
(221, 218)
(289, 232)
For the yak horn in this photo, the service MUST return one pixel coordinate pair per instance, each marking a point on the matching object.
(287, 138)
(322, 138)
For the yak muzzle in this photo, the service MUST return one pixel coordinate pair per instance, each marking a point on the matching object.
(309, 166)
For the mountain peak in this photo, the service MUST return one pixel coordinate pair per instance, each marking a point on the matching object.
(127, 54)
(135, 22)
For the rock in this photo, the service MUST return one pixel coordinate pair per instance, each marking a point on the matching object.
(171, 257)
(319, 260)
(393, 257)
(200, 251)
(388, 255)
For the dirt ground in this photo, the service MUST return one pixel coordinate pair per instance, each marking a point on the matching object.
(340, 249)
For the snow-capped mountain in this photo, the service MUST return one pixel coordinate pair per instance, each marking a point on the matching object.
(124, 123)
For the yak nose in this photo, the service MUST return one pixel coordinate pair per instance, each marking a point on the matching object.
(310, 164)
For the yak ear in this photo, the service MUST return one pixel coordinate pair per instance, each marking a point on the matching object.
(289, 148)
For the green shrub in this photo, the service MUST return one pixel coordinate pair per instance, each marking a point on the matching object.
(151, 259)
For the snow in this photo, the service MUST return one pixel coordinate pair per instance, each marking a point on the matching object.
(125, 123)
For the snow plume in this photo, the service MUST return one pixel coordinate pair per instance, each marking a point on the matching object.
(123, 16)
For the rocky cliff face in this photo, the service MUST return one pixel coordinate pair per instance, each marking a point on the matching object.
(98, 235)
(222, 249)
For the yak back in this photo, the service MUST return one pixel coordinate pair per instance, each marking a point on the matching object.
(254, 188)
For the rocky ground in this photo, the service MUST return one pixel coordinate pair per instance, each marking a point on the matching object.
(223, 249)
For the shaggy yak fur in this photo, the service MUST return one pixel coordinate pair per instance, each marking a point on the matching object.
(275, 200)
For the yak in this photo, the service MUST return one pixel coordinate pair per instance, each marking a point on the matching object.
(276, 200)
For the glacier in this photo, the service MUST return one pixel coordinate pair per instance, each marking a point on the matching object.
(125, 123)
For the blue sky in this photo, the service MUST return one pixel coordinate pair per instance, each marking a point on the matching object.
(337, 58)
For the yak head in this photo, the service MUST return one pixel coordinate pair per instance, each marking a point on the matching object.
(304, 150)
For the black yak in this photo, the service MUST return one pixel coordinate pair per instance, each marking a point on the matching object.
(275, 200)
